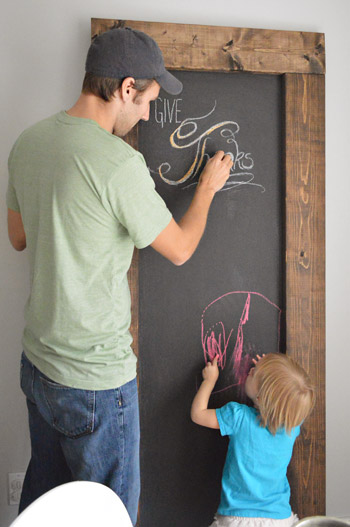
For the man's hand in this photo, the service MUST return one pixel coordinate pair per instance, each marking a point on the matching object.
(216, 172)
(211, 371)
(177, 242)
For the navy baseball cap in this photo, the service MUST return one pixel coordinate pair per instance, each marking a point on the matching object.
(125, 52)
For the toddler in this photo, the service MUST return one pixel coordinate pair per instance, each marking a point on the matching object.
(255, 491)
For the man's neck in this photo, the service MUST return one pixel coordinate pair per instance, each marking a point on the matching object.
(89, 106)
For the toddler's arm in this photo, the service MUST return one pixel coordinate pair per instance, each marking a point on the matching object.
(200, 414)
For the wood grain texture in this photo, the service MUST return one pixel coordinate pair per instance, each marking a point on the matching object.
(216, 48)
(305, 275)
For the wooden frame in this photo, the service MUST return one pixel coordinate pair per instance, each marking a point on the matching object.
(300, 58)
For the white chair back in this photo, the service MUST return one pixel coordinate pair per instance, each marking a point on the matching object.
(79, 503)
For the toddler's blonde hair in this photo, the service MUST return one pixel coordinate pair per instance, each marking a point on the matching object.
(285, 393)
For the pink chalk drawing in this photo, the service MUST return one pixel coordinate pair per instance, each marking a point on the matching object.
(236, 327)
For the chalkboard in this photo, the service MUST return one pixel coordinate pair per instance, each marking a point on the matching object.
(298, 58)
(228, 299)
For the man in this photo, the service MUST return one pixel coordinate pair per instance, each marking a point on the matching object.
(80, 199)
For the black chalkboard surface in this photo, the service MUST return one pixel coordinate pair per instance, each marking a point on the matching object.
(226, 300)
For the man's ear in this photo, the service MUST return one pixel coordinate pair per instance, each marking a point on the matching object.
(126, 88)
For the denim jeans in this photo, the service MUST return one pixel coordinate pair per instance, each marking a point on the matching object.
(81, 435)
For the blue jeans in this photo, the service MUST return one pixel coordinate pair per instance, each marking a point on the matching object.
(81, 435)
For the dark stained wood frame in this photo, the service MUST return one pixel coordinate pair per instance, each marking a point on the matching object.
(300, 58)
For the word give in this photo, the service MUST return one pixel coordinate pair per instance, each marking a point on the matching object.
(166, 111)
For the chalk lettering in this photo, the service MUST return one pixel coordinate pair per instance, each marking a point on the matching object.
(184, 136)
(166, 111)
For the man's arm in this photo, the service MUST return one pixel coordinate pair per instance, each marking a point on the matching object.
(178, 241)
(16, 232)
(200, 414)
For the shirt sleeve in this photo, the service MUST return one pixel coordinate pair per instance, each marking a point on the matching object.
(11, 197)
(230, 418)
(295, 432)
(132, 198)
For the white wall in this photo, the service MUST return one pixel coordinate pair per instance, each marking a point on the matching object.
(43, 44)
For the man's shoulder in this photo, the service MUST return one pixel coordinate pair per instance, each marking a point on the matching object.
(28, 135)
(43, 123)
(125, 152)
(36, 128)
(116, 157)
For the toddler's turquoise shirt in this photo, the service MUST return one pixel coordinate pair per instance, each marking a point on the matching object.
(254, 481)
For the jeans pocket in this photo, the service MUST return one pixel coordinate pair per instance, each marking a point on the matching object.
(72, 410)
(128, 393)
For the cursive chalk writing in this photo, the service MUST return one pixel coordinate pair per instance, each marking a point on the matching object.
(185, 136)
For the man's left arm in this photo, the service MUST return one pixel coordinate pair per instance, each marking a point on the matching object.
(16, 232)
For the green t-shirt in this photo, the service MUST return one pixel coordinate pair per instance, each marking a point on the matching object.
(86, 199)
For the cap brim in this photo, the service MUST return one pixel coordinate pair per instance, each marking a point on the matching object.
(169, 83)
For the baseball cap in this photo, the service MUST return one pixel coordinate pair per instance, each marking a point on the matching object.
(126, 52)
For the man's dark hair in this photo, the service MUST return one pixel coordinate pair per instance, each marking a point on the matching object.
(105, 87)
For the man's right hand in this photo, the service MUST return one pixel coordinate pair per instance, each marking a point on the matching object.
(216, 172)
(177, 242)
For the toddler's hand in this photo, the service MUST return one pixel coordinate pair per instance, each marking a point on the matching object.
(211, 371)
(258, 357)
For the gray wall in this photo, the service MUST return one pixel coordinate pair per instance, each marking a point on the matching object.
(43, 45)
